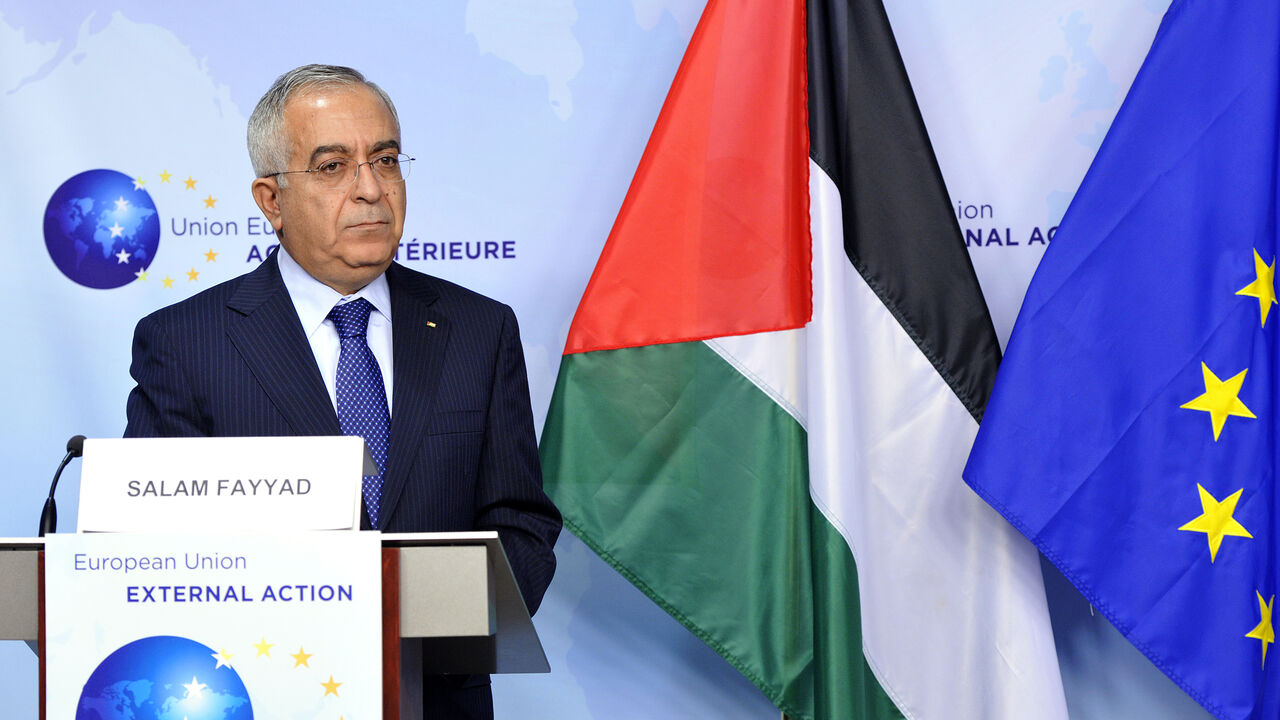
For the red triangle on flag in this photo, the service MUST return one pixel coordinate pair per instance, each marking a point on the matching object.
(713, 236)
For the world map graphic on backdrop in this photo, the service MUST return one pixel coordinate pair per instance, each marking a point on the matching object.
(102, 229)
(164, 678)
(1093, 94)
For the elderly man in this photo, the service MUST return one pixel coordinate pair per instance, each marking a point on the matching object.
(302, 345)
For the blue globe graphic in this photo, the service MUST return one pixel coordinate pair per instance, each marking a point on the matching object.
(163, 678)
(100, 230)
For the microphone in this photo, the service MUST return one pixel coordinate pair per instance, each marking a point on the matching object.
(49, 517)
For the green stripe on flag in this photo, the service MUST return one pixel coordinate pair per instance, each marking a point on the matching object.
(693, 483)
(845, 686)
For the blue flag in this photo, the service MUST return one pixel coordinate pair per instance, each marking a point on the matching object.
(1132, 431)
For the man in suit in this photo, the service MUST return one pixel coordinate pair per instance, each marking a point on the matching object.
(302, 345)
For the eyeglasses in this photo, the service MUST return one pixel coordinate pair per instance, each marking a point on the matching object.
(341, 172)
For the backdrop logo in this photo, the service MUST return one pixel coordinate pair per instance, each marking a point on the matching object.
(101, 229)
(164, 677)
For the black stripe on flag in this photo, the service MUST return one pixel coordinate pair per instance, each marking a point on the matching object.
(867, 134)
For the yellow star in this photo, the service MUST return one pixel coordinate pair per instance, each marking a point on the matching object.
(211, 256)
(1220, 399)
(300, 658)
(138, 182)
(192, 275)
(331, 687)
(191, 184)
(168, 281)
(223, 657)
(210, 201)
(264, 647)
(1264, 631)
(165, 175)
(141, 275)
(1264, 287)
(1216, 521)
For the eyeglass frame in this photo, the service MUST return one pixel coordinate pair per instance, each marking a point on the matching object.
(402, 158)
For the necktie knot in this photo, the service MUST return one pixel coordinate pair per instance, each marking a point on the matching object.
(351, 318)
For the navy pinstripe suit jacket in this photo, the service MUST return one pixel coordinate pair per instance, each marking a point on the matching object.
(233, 361)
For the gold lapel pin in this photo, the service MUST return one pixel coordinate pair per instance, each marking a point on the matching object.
(430, 324)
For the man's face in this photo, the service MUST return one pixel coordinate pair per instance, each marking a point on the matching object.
(343, 236)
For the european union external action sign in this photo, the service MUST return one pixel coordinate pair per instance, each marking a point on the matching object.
(195, 627)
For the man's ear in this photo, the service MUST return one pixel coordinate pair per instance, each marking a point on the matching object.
(266, 192)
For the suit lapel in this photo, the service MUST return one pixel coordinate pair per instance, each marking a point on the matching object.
(419, 338)
(269, 337)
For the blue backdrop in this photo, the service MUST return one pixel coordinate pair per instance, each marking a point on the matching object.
(528, 120)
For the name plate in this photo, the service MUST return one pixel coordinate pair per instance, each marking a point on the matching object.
(221, 484)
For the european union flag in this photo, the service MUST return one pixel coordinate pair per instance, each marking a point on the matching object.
(1132, 431)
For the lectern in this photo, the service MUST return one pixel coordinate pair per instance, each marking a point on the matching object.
(450, 605)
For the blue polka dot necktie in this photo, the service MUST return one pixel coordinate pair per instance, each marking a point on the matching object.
(362, 397)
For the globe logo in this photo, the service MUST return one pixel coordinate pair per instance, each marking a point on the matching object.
(101, 229)
(164, 678)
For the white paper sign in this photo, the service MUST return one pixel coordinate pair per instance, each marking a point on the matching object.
(223, 485)
(195, 627)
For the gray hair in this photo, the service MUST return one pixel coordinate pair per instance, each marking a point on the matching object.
(268, 144)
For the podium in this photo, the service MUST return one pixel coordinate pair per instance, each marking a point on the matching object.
(450, 604)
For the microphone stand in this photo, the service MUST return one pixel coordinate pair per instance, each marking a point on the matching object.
(49, 516)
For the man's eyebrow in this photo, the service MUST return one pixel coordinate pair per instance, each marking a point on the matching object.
(327, 149)
(344, 150)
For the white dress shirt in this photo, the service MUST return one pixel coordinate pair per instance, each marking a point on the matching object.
(313, 300)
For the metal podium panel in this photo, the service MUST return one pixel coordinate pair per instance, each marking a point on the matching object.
(510, 646)
(438, 586)
(19, 619)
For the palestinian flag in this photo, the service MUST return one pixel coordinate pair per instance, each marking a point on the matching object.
(775, 375)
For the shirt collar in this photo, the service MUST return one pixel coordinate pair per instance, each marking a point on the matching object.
(313, 299)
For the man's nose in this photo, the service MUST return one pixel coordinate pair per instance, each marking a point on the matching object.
(366, 187)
